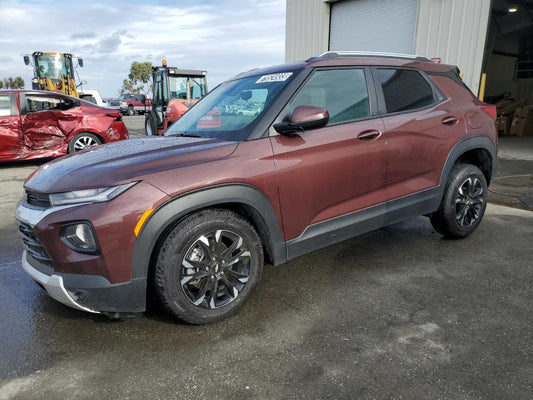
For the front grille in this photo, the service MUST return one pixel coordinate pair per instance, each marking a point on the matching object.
(32, 244)
(37, 199)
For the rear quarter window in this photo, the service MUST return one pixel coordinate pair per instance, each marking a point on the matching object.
(404, 90)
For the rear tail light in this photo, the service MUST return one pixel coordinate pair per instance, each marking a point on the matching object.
(117, 116)
(489, 109)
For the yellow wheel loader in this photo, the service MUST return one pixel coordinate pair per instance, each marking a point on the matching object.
(53, 71)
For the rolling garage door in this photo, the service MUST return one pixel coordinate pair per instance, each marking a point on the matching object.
(373, 25)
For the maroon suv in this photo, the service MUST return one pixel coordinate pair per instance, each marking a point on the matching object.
(270, 165)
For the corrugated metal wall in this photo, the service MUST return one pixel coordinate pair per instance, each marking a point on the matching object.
(455, 31)
(307, 29)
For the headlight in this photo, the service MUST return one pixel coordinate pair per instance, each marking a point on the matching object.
(89, 195)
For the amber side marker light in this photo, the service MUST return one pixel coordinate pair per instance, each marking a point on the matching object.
(142, 220)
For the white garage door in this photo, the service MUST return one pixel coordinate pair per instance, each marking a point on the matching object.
(373, 25)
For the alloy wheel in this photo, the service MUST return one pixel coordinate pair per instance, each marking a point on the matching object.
(469, 201)
(84, 142)
(215, 269)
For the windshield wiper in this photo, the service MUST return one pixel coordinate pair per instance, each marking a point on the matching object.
(183, 134)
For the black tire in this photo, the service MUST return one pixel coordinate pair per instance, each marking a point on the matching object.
(207, 266)
(463, 204)
(83, 141)
(130, 111)
(149, 126)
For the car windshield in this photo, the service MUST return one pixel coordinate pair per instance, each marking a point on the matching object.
(125, 97)
(231, 109)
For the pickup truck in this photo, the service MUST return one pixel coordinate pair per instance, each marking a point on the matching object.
(134, 103)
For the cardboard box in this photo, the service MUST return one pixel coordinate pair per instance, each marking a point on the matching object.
(503, 123)
(522, 124)
(508, 105)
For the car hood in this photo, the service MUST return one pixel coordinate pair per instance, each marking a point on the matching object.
(125, 161)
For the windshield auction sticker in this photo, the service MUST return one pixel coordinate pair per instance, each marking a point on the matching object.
(282, 77)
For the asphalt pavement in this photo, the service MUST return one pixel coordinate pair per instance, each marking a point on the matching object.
(398, 313)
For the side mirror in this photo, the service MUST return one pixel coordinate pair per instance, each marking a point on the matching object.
(80, 62)
(304, 118)
(27, 60)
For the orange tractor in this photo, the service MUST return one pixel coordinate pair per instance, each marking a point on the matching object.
(175, 91)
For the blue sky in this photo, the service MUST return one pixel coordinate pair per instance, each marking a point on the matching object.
(224, 37)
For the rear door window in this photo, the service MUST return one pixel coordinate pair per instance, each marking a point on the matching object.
(67, 104)
(404, 90)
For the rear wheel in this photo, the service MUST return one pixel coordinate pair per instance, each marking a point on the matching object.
(207, 266)
(463, 203)
(83, 141)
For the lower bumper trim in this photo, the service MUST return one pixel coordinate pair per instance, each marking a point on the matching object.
(53, 285)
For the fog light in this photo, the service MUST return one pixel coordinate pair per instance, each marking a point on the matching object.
(80, 237)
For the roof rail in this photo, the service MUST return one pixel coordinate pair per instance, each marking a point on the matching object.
(248, 70)
(328, 54)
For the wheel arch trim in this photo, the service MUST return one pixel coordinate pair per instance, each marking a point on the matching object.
(461, 148)
(167, 215)
(85, 129)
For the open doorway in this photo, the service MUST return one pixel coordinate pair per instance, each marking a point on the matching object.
(508, 64)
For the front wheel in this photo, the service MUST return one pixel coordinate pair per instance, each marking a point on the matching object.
(149, 126)
(463, 203)
(130, 111)
(207, 266)
(83, 141)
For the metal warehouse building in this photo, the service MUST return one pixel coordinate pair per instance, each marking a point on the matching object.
(480, 36)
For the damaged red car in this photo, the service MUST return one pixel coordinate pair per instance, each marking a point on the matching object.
(41, 124)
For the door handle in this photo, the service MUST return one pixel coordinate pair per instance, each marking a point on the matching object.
(369, 135)
(449, 121)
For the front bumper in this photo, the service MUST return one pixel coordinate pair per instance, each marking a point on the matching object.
(90, 293)
(84, 290)
(53, 285)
